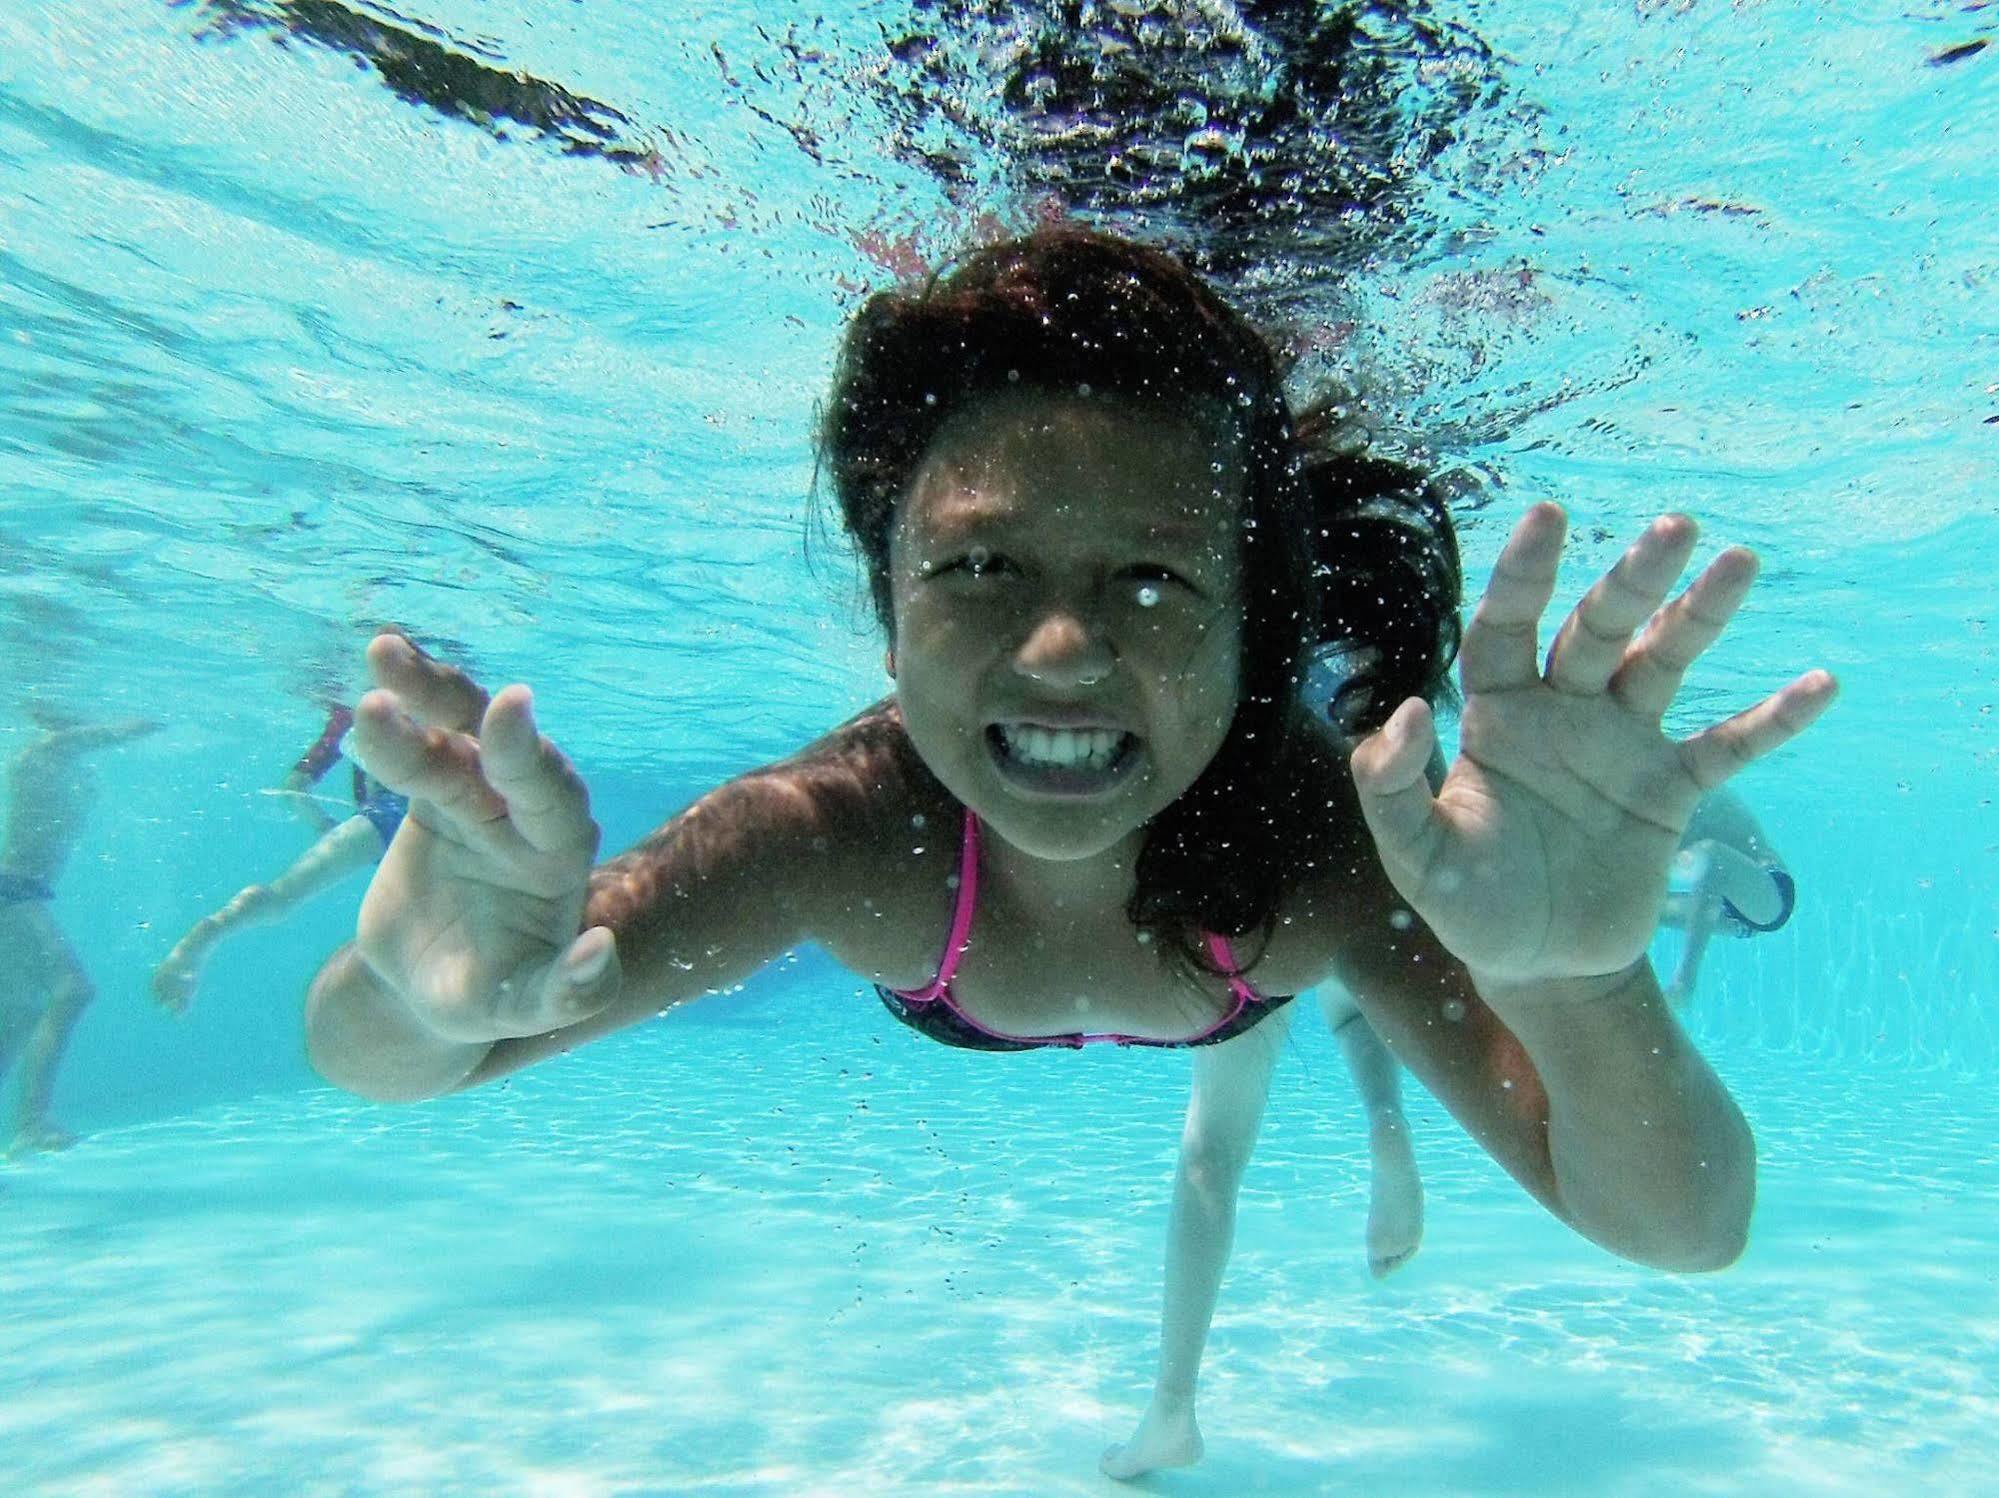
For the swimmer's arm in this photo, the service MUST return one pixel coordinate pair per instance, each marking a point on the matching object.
(297, 791)
(750, 871)
(703, 904)
(1592, 1097)
(1652, 1159)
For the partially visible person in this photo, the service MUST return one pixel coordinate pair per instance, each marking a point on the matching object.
(1103, 550)
(1277, 144)
(344, 846)
(43, 987)
(1728, 881)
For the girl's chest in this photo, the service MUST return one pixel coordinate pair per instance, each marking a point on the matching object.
(1026, 982)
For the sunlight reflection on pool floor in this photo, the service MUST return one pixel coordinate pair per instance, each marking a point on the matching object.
(738, 1267)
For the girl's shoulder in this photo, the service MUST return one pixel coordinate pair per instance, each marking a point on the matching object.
(849, 841)
(869, 838)
(857, 804)
(862, 778)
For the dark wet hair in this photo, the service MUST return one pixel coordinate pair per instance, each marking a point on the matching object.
(1345, 553)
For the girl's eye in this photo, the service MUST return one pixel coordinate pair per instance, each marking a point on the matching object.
(978, 562)
(1151, 583)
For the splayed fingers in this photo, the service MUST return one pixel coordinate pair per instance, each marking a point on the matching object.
(1593, 641)
(439, 769)
(435, 694)
(1714, 754)
(1649, 676)
(1499, 652)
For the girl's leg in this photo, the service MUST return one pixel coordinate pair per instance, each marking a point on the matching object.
(1231, 1084)
(69, 992)
(1395, 1201)
(352, 845)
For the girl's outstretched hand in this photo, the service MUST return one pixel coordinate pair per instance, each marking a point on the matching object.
(472, 917)
(1544, 855)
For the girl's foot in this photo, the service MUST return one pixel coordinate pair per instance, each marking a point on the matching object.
(1166, 1437)
(39, 1138)
(1395, 1206)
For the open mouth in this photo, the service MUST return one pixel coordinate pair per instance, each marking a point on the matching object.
(1062, 761)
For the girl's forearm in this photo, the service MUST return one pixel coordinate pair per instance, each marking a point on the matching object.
(361, 1037)
(1651, 1157)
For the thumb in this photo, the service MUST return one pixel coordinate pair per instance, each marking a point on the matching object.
(587, 978)
(1388, 772)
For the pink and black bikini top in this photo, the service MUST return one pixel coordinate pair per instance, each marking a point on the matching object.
(933, 1011)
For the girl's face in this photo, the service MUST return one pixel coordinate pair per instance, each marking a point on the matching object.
(1066, 577)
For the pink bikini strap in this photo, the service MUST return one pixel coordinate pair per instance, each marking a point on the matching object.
(960, 936)
(1224, 955)
(961, 918)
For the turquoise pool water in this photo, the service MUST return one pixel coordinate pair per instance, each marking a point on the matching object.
(310, 318)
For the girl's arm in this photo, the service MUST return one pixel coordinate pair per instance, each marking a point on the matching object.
(1541, 864)
(733, 882)
(486, 941)
(1602, 1108)
(1597, 1102)
(762, 865)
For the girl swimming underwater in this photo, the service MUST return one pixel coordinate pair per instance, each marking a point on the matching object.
(1104, 551)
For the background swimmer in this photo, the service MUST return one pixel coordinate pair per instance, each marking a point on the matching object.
(342, 847)
(1736, 884)
(43, 986)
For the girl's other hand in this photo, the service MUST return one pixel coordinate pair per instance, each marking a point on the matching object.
(1544, 855)
(472, 917)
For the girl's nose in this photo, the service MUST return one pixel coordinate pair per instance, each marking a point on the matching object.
(1062, 650)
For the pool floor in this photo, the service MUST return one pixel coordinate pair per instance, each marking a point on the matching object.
(697, 1260)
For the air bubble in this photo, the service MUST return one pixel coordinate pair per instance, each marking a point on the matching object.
(1148, 597)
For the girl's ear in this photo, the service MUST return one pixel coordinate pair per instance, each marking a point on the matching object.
(888, 662)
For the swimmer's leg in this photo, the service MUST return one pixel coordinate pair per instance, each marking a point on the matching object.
(352, 845)
(1699, 921)
(69, 994)
(1395, 1200)
(1231, 1084)
(17, 1023)
(1697, 913)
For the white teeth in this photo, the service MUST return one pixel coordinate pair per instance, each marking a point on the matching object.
(1088, 748)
